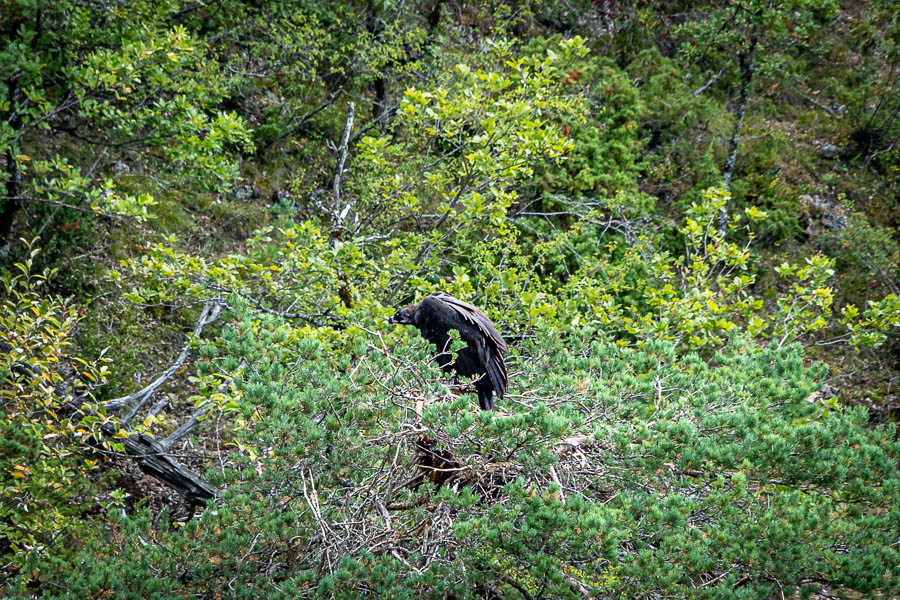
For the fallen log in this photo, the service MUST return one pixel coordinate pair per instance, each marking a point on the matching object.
(152, 458)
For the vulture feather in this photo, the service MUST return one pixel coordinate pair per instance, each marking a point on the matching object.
(440, 312)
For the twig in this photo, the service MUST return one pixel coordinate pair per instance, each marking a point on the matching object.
(311, 319)
(510, 581)
(711, 81)
(555, 478)
(308, 115)
(818, 104)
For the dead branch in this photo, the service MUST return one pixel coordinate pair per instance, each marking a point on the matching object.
(748, 66)
(210, 313)
(711, 81)
(188, 426)
(184, 429)
(314, 320)
(152, 460)
(339, 214)
(157, 407)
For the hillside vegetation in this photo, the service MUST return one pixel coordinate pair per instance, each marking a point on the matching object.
(682, 217)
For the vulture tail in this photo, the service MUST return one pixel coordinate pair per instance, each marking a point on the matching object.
(485, 400)
(496, 372)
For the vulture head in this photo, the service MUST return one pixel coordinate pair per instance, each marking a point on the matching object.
(435, 316)
(404, 316)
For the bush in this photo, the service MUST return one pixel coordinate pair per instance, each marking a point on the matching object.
(618, 472)
(42, 473)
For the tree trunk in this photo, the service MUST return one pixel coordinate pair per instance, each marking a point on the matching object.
(433, 18)
(748, 65)
(375, 26)
(13, 175)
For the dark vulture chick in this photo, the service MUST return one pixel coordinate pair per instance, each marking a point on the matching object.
(440, 312)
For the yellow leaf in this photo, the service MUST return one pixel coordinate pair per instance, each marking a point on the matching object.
(36, 311)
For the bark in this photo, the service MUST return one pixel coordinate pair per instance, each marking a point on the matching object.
(13, 175)
(339, 213)
(375, 26)
(152, 459)
(748, 66)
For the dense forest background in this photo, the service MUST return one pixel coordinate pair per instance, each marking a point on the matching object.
(681, 215)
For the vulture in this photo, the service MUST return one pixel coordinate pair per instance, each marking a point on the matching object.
(440, 312)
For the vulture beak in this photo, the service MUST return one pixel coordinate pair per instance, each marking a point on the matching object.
(391, 319)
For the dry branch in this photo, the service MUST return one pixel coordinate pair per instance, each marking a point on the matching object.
(151, 454)
(711, 81)
(183, 430)
(152, 460)
(748, 66)
(209, 314)
(339, 214)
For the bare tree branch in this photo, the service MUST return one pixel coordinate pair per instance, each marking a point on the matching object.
(339, 214)
(188, 426)
(711, 81)
(748, 65)
(152, 460)
(316, 319)
(184, 429)
(210, 313)
(157, 407)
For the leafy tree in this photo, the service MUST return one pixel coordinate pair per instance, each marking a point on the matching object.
(736, 43)
(85, 88)
(667, 432)
(43, 477)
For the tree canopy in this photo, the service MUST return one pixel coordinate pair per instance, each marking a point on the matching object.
(681, 217)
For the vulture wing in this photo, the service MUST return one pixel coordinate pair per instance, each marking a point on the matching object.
(475, 317)
(490, 347)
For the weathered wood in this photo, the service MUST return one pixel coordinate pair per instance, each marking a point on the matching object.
(748, 66)
(210, 313)
(339, 213)
(153, 460)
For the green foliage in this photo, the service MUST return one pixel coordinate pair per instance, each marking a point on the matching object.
(42, 473)
(693, 475)
(680, 128)
(712, 36)
(664, 434)
(466, 144)
(869, 255)
(89, 89)
(704, 294)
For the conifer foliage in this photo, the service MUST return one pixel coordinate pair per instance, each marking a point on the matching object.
(225, 202)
